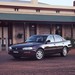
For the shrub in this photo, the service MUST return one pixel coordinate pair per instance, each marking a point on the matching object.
(19, 35)
(72, 41)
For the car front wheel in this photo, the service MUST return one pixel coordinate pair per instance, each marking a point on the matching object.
(39, 54)
(64, 52)
(17, 57)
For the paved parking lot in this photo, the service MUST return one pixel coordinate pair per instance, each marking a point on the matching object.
(52, 65)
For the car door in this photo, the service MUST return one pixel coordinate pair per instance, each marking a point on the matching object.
(58, 43)
(50, 45)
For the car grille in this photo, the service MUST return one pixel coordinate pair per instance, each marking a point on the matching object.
(16, 48)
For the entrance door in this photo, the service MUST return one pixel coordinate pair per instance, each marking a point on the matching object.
(3, 35)
(58, 29)
(32, 30)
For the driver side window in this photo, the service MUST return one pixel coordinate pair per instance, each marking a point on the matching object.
(39, 39)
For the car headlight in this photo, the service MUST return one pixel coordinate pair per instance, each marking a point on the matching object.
(27, 48)
(10, 48)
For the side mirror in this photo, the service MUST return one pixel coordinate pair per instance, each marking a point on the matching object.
(48, 41)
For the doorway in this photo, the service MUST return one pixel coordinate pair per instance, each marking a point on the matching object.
(58, 29)
(32, 30)
(3, 35)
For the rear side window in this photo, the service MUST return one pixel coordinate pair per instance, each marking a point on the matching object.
(58, 38)
(50, 38)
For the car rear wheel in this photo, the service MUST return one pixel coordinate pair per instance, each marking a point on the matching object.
(39, 54)
(64, 52)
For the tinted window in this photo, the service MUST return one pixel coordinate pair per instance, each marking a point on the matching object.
(57, 38)
(50, 37)
(37, 38)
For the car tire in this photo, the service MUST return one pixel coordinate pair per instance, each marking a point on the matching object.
(39, 54)
(17, 57)
(64, 52)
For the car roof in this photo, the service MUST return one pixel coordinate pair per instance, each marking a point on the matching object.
(41, 35)
(45, 34)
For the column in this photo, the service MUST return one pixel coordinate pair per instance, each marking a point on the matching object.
(14, 38)
(0, 44)
(27, 31)
(54, 29)
(63, 31)
(50, 28)
(37, 29)
(72, 31)
(24, 31)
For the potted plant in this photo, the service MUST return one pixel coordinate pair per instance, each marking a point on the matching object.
(19, 35)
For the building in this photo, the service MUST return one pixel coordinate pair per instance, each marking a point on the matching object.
(21, 19)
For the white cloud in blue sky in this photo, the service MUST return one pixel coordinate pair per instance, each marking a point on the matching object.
(52, 2)
(58, 2)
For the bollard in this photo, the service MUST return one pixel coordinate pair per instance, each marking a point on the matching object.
(0, 45)
(7, 44)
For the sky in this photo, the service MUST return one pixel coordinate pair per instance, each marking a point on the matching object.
(58, 2)
(52, 2)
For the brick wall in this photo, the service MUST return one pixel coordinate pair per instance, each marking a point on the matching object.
(67, 31)
(44, 29)
(41, 29)
(18, 29)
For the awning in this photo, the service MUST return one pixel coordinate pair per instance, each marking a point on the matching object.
(35, 17)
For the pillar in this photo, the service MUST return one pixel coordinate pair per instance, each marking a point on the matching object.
(37, 29)
(27, 31)
(63, 31)
(14, 40)
(72, 31)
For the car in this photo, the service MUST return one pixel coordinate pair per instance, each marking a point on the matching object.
(40, 45)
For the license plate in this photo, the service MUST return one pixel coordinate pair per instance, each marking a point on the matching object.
(15, 52)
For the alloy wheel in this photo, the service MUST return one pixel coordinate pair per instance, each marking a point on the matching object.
(39, 54)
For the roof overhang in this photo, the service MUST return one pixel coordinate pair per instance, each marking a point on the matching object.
(35, 17)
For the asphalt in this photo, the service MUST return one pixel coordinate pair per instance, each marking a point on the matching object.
(51, 65)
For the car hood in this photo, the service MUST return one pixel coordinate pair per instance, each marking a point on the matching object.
(25, 45)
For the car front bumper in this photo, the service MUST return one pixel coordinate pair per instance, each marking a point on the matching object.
(22, 53)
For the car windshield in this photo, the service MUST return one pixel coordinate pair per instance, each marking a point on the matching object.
(37, 38)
